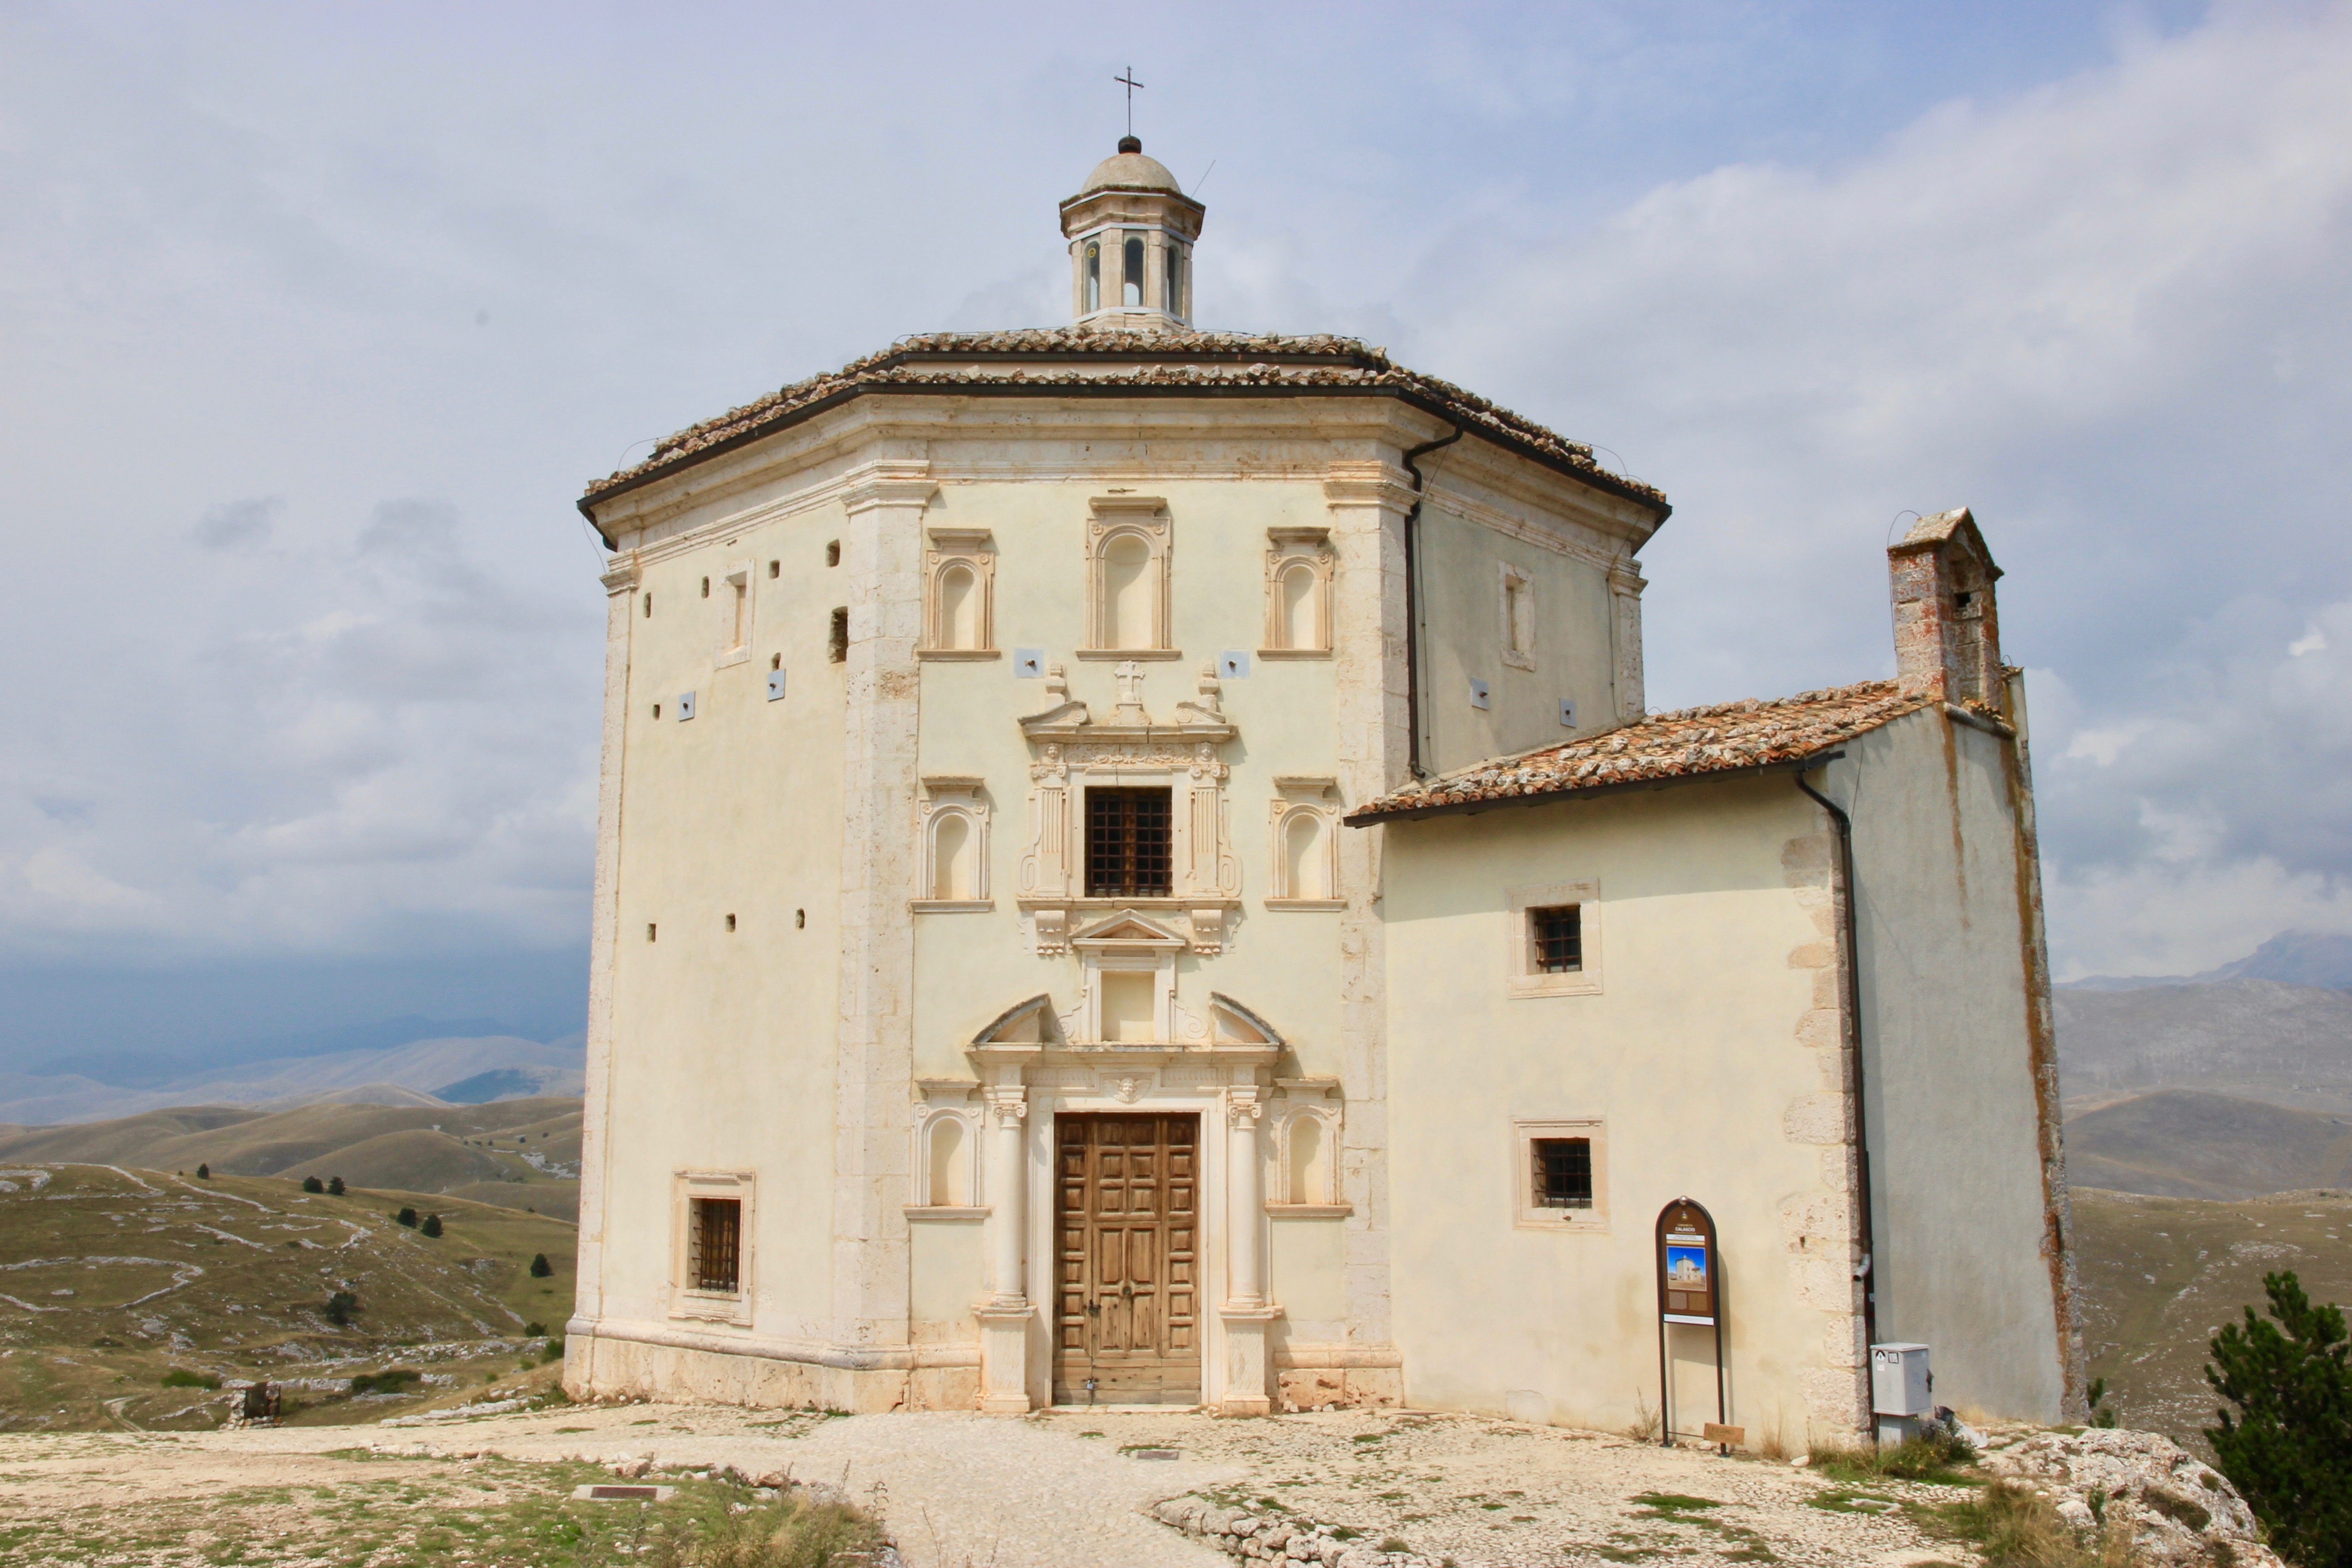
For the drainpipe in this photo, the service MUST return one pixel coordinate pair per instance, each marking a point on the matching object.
(1868, 1271)
(1412, 628)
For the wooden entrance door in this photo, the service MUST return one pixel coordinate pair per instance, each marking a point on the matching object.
(1127, 1284)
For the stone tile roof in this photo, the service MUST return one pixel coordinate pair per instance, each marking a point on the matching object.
(1723, 737)
(1050, 361)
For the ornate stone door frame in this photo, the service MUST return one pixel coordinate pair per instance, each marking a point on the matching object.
(1025, 1085)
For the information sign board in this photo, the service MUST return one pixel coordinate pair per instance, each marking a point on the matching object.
(1687, 1266)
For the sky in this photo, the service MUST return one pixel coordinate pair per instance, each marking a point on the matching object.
(314, 321)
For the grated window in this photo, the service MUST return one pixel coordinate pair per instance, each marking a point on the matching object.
(836, 647)
(715, 1246)
(1563, 1173)
(1556, 936)
(1129, 840)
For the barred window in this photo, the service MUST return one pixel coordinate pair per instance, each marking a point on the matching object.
(714, 1244)
(1128, 843)
(1563, 1173)
(1555, 938)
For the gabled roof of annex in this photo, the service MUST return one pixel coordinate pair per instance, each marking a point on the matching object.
(1061, 361)
(1688, 744)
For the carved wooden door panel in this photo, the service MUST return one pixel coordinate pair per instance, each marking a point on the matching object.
(1127, 1282)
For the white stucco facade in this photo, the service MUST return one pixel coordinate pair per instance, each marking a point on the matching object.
(861, 986)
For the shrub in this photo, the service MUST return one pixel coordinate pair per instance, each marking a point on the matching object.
(1935, 1455)
(2102, 1413)
(181, 1378)
(340, 1308)
(554, 1351)
(2019, 1526)
(391, 1379)
(432, 1226)
(312, 1184)
(2288, 1450)
(334, 1186)
(541, 1269)
(203, 1173)
(406, 1217)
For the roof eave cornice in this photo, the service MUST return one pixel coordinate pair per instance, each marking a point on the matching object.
(1805, 764)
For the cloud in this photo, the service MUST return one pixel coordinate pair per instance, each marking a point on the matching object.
(239, 524)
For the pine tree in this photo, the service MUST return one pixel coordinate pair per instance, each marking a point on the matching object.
(203, 1173)
(2289, 1448)
(539, 1266)
(432, 1225)
(312, 1184)
(334, 1186)
(406, 1217)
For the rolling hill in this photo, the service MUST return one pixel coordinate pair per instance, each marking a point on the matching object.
(512, 1154)
(112, 1279)
(2188, 1144)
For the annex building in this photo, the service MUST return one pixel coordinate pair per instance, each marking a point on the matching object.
(1134, 866)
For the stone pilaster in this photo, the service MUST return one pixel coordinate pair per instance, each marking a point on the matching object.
(1368, 503)
(604, 913)
(1626, 585)
(873, 1071)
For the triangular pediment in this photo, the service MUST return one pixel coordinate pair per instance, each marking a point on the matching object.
(1129, 928)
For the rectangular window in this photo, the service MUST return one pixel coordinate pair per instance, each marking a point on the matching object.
(1556, 935)
(714, 1244)
(1128, 843)
(1562, 1174)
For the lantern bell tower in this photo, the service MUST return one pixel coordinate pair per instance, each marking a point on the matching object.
(1131, 233)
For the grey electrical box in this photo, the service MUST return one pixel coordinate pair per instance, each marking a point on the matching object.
(1900, 1381)
(775, 684)
(1477, 694)
(1232, 665)
(1567, 714)
(1028, 664)
(685, 705)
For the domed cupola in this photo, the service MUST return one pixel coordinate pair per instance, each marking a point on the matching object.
(1131, 232)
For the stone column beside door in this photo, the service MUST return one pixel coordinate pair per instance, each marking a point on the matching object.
(1246, 1314)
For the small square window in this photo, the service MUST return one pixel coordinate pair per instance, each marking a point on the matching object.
(1562, 1172)
(1557, 933)
(1563, 1177)
(1554, 932)
(714, 1244)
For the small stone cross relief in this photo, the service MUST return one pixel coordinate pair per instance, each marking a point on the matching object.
(1130, 676)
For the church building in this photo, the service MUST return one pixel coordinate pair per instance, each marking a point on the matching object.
(1134, 867)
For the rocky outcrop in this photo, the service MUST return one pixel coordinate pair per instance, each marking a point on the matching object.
(2179, 1510)
(1272, 1538)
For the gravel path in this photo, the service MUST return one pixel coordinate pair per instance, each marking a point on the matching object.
(1064, 1490)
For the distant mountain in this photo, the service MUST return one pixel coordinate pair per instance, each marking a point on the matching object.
(154, 1070)
(2187, 1143)
(409, 1074)
(2260, 1039)
(2291, 958)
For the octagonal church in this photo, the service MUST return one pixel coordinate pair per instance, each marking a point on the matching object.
(1134, 867)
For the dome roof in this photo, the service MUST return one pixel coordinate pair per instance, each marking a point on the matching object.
(1129, 169)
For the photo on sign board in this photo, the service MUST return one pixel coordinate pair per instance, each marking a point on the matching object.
(1685, 1268)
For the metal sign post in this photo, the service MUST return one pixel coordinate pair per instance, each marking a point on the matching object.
(1690, 1290)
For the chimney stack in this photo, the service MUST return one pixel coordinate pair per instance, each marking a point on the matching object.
(1946, 633)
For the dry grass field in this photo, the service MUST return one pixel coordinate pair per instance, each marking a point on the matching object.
(515, 1154)
(113, 1280)
(2161, 1274)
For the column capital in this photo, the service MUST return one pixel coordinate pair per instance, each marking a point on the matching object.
(888, 483)
(1243, 1107)
(1625, 577)
(1374, 483)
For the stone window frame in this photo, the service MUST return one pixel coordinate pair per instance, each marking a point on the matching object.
(1299, 796)
(713, 1306)
(929, 1114)
(954, 549)
(945, 796)
(1524, 979)
(1111, 518)
(1516, 587)
(1526, 1214)
(733, 610)
(1288, 550)
(1153, 952)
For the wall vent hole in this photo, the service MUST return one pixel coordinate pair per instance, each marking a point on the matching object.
(730, 922)
(776, 661)
(799, 919)
(649, 930)
(833, 552)
(656, 710)
(775, 568)
(705, 587)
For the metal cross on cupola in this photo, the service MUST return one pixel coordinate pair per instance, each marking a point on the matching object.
(1131, 84)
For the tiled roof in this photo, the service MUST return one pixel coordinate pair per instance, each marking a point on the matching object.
(1723, 737)
(1049, 361)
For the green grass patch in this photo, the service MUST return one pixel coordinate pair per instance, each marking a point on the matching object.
(1938, 1458)
(1674, 1502)
(181, 1378)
